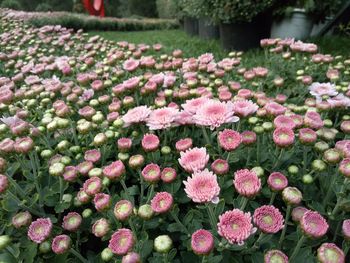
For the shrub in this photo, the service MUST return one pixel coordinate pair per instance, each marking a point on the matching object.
(43, 7)
(12, 4)
(166, 8)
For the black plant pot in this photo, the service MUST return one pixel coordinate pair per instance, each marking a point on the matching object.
(245, 36)
(191, 26)
(207, 30)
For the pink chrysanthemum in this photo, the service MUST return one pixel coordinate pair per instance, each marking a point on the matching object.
(313, 120)
(202, 242)
(21, 219)
(215, 113)
(243, 108)
(313, 224)
(102, 201)
(150, 142)
(131, 257)
(61, 244)
(162, 118)
(283, 121)
(114, 170)
(235, 226)
(346, 229)
(124, 144)
(93, 155)
(123, 209)
(277, 181)
(202, 187)
(183, 144)
(248, 137)
(268, 219)
(131, 64)
(229, 140)
(307, 136)
(344, 167)
(39, 230)
(121, 241)
(275, 256)
(72, 221)
(100, 228)
(292, 195)
(92, 186)
(151, 173)
(322, 89)
(283, 137)
(3, 183)
(168, 175)
(220, 167)
(136, 115)
(194, 159)
(275, 109)
(330, 253)
(298, 212)
(191, 106)
(247, 183)
(162, 202)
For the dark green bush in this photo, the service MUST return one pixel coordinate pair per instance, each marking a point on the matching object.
(13, 4)
(43, 7)
(166, 8)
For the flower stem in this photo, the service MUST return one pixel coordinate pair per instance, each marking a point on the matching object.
(330, 189)
(304, 159)
(179, 222)
(122, 182)
(211, 216)
(244, 203)
(289, 208)
(278, 159)
(61, 187)
(257, 242)
(205, 134)
(150, 193)
(77, 255)
(339, 200)
(204, 259)
(142, 188)
(132, 226)
(297, 248)
(272, 199)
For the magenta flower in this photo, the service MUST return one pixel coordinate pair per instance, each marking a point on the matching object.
(235, 226)
(151, 173)
(150, 142)
(313, 224)
(247, 183)
(162, 202)
(202, 187)
(268, 219)
(283, 137)
(123, 209)
(274, 256)
(121, 241)
(202, 242)
(114, 170)
(330, 253)
(61, 244)
(277, 181)
(39, 230)
(229, 140)
(194, 159)
(72, 221)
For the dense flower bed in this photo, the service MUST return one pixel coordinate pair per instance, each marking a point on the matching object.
(116, 151)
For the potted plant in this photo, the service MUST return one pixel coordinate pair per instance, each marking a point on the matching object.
(242, 23)
(190, 22)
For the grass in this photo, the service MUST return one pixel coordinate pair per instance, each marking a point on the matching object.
(194, 46)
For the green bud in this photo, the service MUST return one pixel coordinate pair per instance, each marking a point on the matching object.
(67, 198)
(123, 156)
(66, 160)
(253, 120)
(46, 154)
(321, 146)
(45, 247)
(307, 179)
(106, 254)
(109, 134)
(165, 150)
(259, 171)
(293, 169)
(106, 181)
(56, 169)
(118, 123)
(268, 126)
(75, 149)
(95, 172)
(163, 244)
(328, 123)
(145, 212)
(318, 165)
(4, 241)
(87, 213)
(63, 145)
(258, 129)
(100, 139)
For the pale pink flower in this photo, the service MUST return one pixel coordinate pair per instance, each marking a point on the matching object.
(194, 159)
(268, 219)
(202, 187)
(330, 253)
(322, 89)
(277, 181)
(229, 139)
(273, 256)
(283, 121)
(130, 64)
(246, 183)
(273, 108)
(191, 106)
(313, 224)
(202, 242)
(346, 229)
(283, 137)
(61, 244)
(243, 108)
(151, 173)
(162, 202)
(121, 241)
(136, 115)
(162, 118)
(313, 120)
(40, 229)
(150, 142)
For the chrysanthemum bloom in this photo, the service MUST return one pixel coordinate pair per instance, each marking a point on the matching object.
(313, 120)
(124, 144)
(183, 144)
(346, 229)
(136, 161)
(291, 195)
(131, 257)
(330, 253)
(39, 230)
(194, 159)
(307, 136)
(151, 173)
(162, 118)
(277, 181)
(283, 121)
(100, 228)
(61, 244)
(332, 156)
(102, 201)
(168, 175)
(7, 145)
(298, 120)
(123, 209)
(247, 183)
(72, 221)
(275, 109)
(275, 256)
(322, 89)
(162, 202)
(248, 137)
(150, 142)
(229, 140)
(298, 212)
(268, 219)
(313, 224)
(345, 127)
(283, 137)
(136, 115)
(83, 197)
(115, 170)
(191, 106)
(3, 183)
(21, 219)
(92, 186)
(23, 145)
(130, 64)
(70, 173)
(121, 241)
(202, 242)
(84, 167)
(93, 155)
(220, 167)
(344, 167)
(202, 187)
(243, 108)
(235, 226)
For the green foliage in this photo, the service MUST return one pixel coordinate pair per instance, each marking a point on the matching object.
(166, 8)
(12, 4)
(43, 7)
(143, 8)
(196, 8)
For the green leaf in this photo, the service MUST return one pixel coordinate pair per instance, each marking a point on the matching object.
(146, 249)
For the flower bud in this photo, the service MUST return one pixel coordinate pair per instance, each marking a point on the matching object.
(145, 212)
(56, 169)
(45, 247)
(4, 241)
(163, 244)
(107, 254)
(318, 165)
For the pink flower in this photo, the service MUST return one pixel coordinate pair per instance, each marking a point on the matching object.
(307, 136)
(275, 109)
(330, 253)
(215, 113)
(202, 187)
(162, 202)
(168, 175)
(298, 212)
(268, 219)
(322, 89)
(229, 140)
(123, 209)
(292, 195)
(130, 64)
(243, 108)
(39, 230)
(220, 167)
(273, 256)
(136, 115)
(114, 170)
(121, 241)
(102, 201)
(283, 121)
(247, 183)
(72, 221)
(162, 118)
(235, 226)
(248, 137)
(131, 257)
(205, 58)
(92, 186)
(313, 224)
(283, 137)
(3, 183)
(202, 242)
(124, 144)
(313, 120)
(151, 173)
(183, 144)
(21, 219)
(194, 159)
(92, 155)
(150, 142)
(61, 244)
(100, 228)
(191, 106)
(346, 229)
(277, 181)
